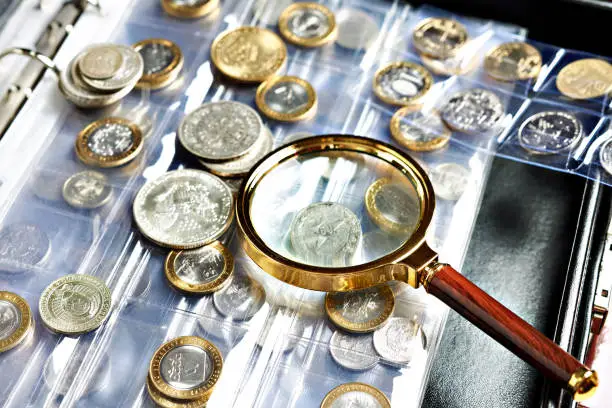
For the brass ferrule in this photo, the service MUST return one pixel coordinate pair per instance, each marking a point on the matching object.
(583, 383)
(428, 272)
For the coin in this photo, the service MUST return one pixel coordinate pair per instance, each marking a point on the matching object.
(109, 142)
(75, 304)
(220, 131)
(23, 245)
(15, 320)
(189, 8)
(393, 206)
(101, 61)
(184, 209)
(87, 189)
(201, 270)
(401, 83)
(398, 341)
(449, 180)
(186, 368)
(472, 111)
(249, 54)
(360, 311)
(325, 234)
(163, 401)
(163, 62)
(307, 24)
(286, 98)
(61, 369)
(356, 30)
(355, 395)
(605, 156)
(585, 78)
(241, 299)
(439, 37)
(419, 131)
(353, 351)
(127, 76)
(513, 61)
(550, 132)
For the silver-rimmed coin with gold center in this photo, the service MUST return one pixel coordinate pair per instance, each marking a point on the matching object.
(15, 320)
(307, 24)
(402, 83)
(439, 37)
(355, 395)
(109, 142)
(417, 130)
(513, 61)
(360, 311)
(189, 8)
(87, 189)
(163, 62)
(286, 98)
(393, 206)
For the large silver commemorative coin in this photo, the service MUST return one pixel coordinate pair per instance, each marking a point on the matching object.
(398, 341)
(87, 189)
(473, 111)
(353, 351)
(550, 132)
(356, 29)
(23, 245)
(241, 299)
(127, 76)
(605, 156)
(449, 180)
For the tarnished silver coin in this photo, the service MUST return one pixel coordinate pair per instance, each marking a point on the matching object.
(550, 132)
(473, 111)
(605, 156)
(325, 234)
(398, 341)
(23, 245)
(127, 76)
(184, 209)
(283, 339)
(75, 304)
(87, 189)
(449, 180)
(101, 61)
(241, 299)
(220, 131)
(356, 29)
(353, 351)
(61, 369)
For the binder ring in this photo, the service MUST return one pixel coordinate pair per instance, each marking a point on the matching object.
(42, 58)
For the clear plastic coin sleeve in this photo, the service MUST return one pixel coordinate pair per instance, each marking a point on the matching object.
(278, 353)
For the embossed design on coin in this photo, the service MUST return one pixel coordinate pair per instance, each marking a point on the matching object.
(184, 209)
(473, 111)
(585, 79)
(550, 132)
(402, 83)
(449, 180)
(353, 351)
(398, 341)
(101, 62)
(419, 131)
(286, 98)
(163, 61)
(128, 74)
(87, 189)
(15, 320)
(356, 30)
(393, 206)
(439, 37)
(513, 61)
(307, 24)
(355, 395)
(23, 244)
(109, 142)
(241, 299)
(360, 311)
(605, 156)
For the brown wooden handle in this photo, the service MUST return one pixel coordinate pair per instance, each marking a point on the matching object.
(511, 331)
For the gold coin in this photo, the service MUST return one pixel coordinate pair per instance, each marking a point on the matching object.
(346, 395)
(189, 9)
(360, 311)
(307, 24)
(585, 78)
(417, 131)
(163, 62)
(457, 65)
(186, 368)
(401, 83)
(166, 402)
(16, 320)
(439, 37)
(249, 54)
(513, 61)
(394, 206)
(201, 270)
(286, 98)
(108, 142)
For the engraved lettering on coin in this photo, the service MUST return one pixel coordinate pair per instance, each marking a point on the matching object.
(449, 180)
(418, 130)
(402, 83)
(101, 62)
(353, 351)
(111, 139)
(10, 319)
(87, 189)
(156, 57)
(550, 132)
(473, 111)
(286, 97)
(200, 266)
(605, 156)
(308, 23)
(186, 367)
(241, 300)
(439, 37)
(513, 61)
(24, 244)
(585, 78)
(356, 29)
(398, 341)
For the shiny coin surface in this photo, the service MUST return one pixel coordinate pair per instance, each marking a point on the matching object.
(360, 311)
(585, 78)
(23, 244)
(15, 320)
(75, 304)
(101, 62)
(127, 76)
(353, 351)
(393, 206)
(241, 299)
(184, 209)
(325, 234)
(550, 132)
(307, 24)
(356, 30)
(201, 270)
(355, 395)
(286, 98)
(418, 130)
(249, 54)
(513, 61)
(109, 142)
(398, 341)
(87, 189)
(605, 156)
(402, 83)
(439, 37)
(186, 368)
(220, 131)
(163, 401)
(163, 62)
(449, 180)
(473, 111)
(189, 8)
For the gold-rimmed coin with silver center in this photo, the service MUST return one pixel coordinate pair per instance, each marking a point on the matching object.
(355, 394)
(393, 206)
(402, 83)
(189, 8)
(513, 61)
(307, 24)
(420, 131)
(361, 311)
(163, 401)
(585, 79)
(15, 320)
(163, 62)
(439, 37)
(286, 98)
(101, 62)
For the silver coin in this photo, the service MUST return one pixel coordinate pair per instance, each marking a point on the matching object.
(220, 131)
(61, 369)
(550, 132)
(307, 22)
(286, 339)
(294, 137)
(353, 351)
(325, 234)
(184, 209)
(401, 83)
(241, 299)
(23, 244)
(186, 367)
(422, 129)
(111, 139)
(48, 186)
(156, 57)
(473, 111)
(449, 180)
(398, 341)
(87, 189)
(199, 266)
(286, 97)
(10, 319)
(101, 61)
(130, 72)
(268, 12)
(356, 29)
(605, 156)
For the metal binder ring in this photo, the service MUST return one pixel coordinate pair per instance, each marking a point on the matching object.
(42, 58)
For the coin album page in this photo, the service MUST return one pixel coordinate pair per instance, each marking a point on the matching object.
(276, 349)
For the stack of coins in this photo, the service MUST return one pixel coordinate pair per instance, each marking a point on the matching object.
(16, 320)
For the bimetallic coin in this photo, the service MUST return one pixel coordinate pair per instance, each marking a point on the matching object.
(101, 62)
(419, 131)
(220, 131)
(163, 62)
(127, 76)
(23, 245)
(15, 320)
(201, 270)
(241, 299)
(325, 234)
(605, 156)
(286, 98)
(184, 209)
(394, 206)
(357, 30)
(439, 37)
(585, 78)
(513, 61)
(353, 351)
(472, 111)
(75, 304)
(186, 368)
(360, 311)
(449, 180)
(307, 24)
(402, 83)
(189, 8)
(550, 132)
(398, 341)
(87, 189)
(163, 401)
(249, 54)
(355, 395)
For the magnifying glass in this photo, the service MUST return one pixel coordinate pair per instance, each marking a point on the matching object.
(304, 210)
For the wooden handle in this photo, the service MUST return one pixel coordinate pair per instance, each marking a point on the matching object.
(511, 331)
